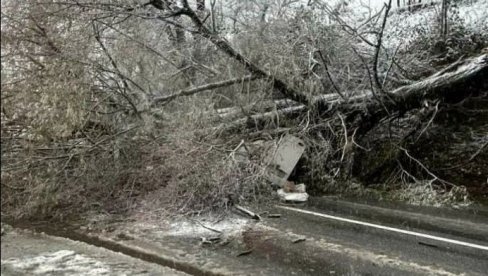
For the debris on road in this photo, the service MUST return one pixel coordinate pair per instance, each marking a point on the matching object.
(244, 253)
(206, 227)
(299, 240)
(300, 188)
(293, 193)
(283, 158)
(290, 187)
(124, 237)
(292, 197)
(247, 212)
(210, 240)
(274, 216)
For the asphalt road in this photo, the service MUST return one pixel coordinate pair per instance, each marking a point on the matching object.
(415, 245)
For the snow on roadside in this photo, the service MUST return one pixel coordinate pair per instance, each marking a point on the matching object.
(62, 262)
(193, 228)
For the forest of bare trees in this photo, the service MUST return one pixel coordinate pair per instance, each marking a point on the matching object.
(107, 104)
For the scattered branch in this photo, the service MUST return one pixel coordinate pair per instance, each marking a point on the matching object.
(206, 227)
(247, 212)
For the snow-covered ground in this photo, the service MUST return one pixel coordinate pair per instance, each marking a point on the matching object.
(28, 253)
(402, 26)
(58, 262)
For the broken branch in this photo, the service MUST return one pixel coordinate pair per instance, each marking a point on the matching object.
(247, 212)
(194, 90)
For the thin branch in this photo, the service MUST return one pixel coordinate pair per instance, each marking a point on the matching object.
(430, 121)
(425, 168)
(206, 227)
(378, 48)
(346, 142)
(324, 62)
(132, 39)
(114, 65)
(385, 78)
(194, 90)
(365, 65)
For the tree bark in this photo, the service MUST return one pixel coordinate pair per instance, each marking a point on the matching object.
(258, 120)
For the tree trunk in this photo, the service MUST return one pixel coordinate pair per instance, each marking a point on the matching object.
(443, 19)
(453, 84)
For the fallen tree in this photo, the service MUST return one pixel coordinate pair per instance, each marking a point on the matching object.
(367, 109)
(362, 112)
(454, 83)
(450, 85)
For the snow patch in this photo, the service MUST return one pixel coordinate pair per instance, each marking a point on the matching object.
(192, 228)
(63, 262)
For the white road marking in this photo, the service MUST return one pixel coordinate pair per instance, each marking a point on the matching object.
(397, 230)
